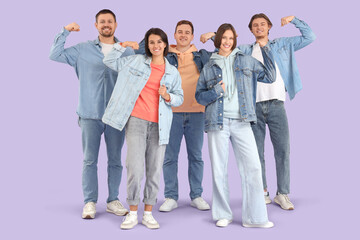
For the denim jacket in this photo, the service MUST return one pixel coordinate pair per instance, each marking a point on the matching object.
(201, 57)
(96, 80)
(283, 51)
(247, 72)
(134, 72)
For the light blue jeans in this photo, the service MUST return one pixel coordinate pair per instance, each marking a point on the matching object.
(247, 159)
(191, 126)
(144, 154)
(91, 131)
(273, 114)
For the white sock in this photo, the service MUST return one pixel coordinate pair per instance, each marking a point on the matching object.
(133, 213)
(147, 212)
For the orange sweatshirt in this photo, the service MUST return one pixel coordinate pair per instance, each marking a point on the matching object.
(189, 77)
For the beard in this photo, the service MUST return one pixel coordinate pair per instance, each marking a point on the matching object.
(107, 35)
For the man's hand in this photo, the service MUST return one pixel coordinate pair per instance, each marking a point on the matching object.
(72, 27)
(133, 45)
(163, 93)
(206, 36)
(286, 20)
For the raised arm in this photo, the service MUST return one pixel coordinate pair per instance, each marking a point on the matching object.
(57, 51)
(307, 35)
(117, 59)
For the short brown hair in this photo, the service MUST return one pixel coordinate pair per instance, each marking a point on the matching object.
(185, 22)
(220, 32)
(259, 15)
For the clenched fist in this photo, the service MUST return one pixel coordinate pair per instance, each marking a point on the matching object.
(73, 27)
(163, 93)
(286, 20)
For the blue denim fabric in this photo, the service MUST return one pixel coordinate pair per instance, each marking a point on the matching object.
(96, 80)
(91, 137)
(283, 51)
(134, 72)
(201, 57)
(247, 72)
(191, 126)
(273, 114)
(240, 135)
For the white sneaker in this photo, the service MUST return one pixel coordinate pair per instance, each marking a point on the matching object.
(129, 222)
(200, 204)
(267, 198)
(89, 210)
(223, 222)
(284, 202)
(116, 208)
(169, 205)
(150, 222)
(265, 225)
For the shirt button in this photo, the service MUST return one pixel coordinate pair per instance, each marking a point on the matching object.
(220, 101)
(219, 75)
(221, 94)
(220, 127)
(220, 114)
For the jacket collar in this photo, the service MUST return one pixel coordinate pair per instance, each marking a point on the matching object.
(97, 40)
(168, 66)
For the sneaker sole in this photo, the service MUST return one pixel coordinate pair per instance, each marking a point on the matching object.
(290, 208)
(117, 214)
(222, 226)
(128, 227)
(150, 226)
(88, 216)
(257, 225)
(201, 209)
(167, 210)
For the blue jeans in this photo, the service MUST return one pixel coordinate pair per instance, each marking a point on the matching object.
(273, 114)
(190, 125)
(247, 159)
(91, 136)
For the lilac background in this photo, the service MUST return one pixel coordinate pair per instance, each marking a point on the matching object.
(41, 156)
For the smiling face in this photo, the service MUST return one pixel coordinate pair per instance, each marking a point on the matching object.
(227, 42)
(260, 28)
(156, 45)
(106, 25)
(183, 35)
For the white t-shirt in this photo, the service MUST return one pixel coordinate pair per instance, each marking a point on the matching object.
(266, 91)
(106, 48)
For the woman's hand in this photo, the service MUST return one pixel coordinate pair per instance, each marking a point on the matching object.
(163, 93)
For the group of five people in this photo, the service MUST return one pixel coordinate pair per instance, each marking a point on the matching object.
(153, 94)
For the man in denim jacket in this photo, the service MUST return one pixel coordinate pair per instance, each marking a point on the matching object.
(270, 97)
(96, 85)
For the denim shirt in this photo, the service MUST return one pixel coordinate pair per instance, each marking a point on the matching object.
(201, 57)
(134, 72)
(283, 51)
(96, 80)
(247, 72)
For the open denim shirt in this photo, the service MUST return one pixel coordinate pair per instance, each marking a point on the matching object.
(283, 51)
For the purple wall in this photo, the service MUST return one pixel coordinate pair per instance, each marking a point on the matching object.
(41, 156)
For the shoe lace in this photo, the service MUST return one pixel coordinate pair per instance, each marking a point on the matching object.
(287, 199)
(118, 204)
(149, 218)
